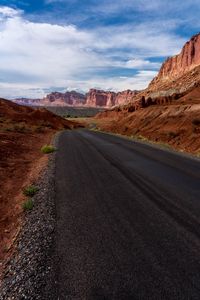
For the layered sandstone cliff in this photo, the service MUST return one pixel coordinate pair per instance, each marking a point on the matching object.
(177, 78)
(176, 67)
(109, 99)
(63, 99)
(94, 98)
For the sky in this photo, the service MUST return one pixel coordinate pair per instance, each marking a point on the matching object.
(60, 45)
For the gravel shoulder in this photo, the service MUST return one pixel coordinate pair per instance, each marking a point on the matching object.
(29, 273)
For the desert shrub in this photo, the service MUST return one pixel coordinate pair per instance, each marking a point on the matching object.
(30, 190)
(196, 121)
(46, 149)
(28, 204)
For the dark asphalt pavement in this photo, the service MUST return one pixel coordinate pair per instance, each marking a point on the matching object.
(128, 220)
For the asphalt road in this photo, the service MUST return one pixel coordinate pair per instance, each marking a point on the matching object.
(128, 220)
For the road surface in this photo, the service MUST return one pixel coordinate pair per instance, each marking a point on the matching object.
(128, 220)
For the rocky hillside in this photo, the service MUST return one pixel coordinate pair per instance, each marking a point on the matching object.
(23, 116)
(99, 98)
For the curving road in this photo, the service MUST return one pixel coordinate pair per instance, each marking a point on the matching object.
(128, 220)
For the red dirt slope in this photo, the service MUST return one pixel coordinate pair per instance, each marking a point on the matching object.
(27, 115)
(176, 123)
(23, 131)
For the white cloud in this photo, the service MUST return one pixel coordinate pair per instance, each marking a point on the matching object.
(6, 11)
(140, 63)
(41, 55)
(138, 82)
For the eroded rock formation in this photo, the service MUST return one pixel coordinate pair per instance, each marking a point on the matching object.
(178, 65)
(109, 99)
(94, 98)
(61, 99)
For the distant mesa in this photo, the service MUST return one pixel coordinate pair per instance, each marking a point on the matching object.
(64, 99)
(94, 98)
(55, 99)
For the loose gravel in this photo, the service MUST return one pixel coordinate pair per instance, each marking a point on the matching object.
(30, 272)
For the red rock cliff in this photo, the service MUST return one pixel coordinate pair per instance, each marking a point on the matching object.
(62, 99)
(109, 99)
(176, 66)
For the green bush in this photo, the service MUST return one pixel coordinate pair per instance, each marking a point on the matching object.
(28, 204)
(48, 149)
(30, 191)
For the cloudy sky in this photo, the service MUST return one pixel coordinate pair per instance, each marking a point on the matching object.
(59, 45)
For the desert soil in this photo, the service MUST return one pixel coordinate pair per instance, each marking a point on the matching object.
(20, 165)
(176, 125)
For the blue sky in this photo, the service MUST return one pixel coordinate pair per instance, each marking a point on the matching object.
(62, 45)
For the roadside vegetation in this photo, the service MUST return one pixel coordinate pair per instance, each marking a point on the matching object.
(30, 191)
(46, 149)
(28, 204)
